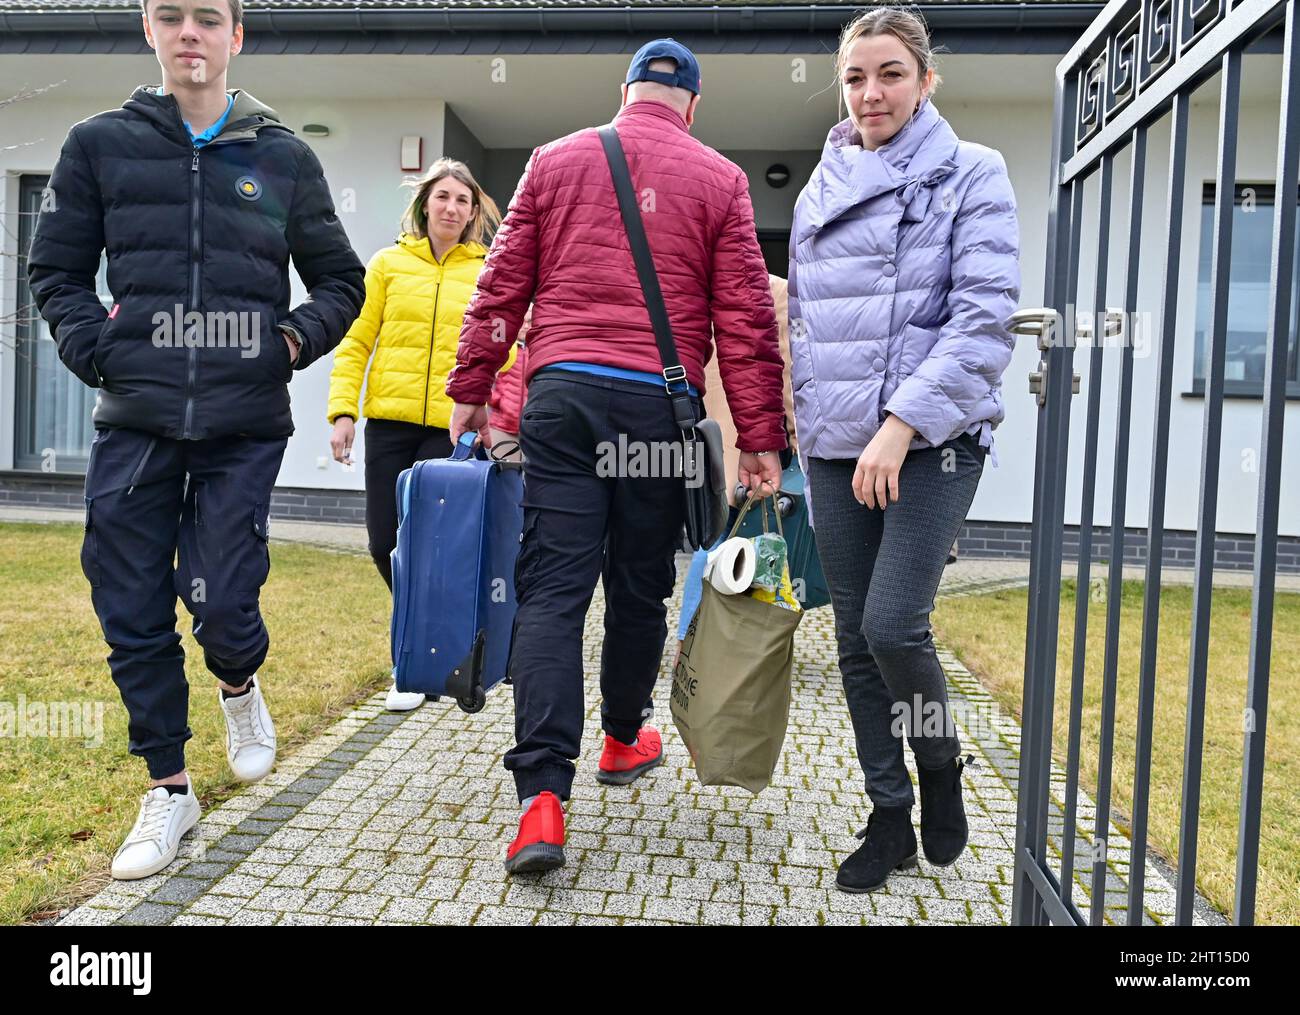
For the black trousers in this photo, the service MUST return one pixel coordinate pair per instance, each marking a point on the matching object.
(392, 446)
(883, 568)
(168, 518)
(590, 512)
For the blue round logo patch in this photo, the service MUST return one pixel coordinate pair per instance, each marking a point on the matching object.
(248, 188)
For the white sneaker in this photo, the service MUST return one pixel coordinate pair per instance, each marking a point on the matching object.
(250, 734)
(403, 701)
(152, 844)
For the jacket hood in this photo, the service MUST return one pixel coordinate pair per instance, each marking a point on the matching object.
(420, 246)
(247, 114)
(923, 152)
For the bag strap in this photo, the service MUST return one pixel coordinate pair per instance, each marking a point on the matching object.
(754, 498)
(673, 372)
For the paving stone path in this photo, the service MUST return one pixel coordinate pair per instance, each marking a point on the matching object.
(405, 819)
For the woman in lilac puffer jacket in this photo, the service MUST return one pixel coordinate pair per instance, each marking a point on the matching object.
(903, 273)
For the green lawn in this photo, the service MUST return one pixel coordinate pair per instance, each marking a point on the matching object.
(988, 633)
(65, 805)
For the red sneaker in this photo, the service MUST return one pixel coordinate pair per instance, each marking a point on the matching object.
(621, 764)
(539, 846)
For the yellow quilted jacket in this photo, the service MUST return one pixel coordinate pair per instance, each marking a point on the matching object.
(408, 332)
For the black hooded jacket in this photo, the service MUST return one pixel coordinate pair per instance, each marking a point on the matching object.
(198, 242)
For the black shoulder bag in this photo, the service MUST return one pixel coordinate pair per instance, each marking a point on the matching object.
(705, 486)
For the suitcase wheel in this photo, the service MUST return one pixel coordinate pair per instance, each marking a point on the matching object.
(474, 703)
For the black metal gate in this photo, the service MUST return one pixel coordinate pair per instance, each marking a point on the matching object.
(1137, 63)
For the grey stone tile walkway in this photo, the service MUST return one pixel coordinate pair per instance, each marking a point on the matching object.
(404, 819)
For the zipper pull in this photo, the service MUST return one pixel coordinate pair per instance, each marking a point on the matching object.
(194, 166)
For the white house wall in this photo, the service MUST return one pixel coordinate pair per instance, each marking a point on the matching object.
(1022, 135)
(361, 162)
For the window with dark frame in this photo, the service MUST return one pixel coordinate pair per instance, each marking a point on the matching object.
(1248, 293)
(52, 425)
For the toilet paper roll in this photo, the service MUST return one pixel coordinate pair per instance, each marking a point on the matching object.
(730, 567)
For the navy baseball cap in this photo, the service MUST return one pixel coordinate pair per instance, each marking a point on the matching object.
(687, 74)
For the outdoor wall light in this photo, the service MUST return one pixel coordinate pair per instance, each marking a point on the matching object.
(315, 130)
(778, 175)
(412, 156)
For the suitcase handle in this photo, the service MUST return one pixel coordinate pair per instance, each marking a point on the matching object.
(465, 448)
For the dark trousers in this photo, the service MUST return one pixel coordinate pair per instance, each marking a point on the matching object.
(883, 568)
(168, 518)
(392, 446)
(587, 517)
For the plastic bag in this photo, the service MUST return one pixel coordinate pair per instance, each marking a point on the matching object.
(771, 553)
(783, 597)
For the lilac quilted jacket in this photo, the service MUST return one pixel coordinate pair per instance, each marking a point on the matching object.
(903, 272)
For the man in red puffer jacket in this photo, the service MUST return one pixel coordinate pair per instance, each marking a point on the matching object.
(597, 413)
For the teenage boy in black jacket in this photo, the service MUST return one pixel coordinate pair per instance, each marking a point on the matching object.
(199, 196)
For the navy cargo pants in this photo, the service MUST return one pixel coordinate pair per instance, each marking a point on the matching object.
(168, 518)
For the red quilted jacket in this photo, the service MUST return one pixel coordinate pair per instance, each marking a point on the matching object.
(508, 395)
(562, 246)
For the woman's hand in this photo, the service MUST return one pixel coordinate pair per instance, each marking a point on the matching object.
(345, 432)
(875, 480)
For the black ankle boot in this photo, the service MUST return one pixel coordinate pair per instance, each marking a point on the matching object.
(943, 815)
(888, 844)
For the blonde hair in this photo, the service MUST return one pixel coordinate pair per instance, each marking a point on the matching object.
(905, 24)
(483, 220)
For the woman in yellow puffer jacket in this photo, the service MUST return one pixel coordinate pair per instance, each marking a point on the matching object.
(416, 294)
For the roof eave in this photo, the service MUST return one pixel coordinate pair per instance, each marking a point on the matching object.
(810, 19)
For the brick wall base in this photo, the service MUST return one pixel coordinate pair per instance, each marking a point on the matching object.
(1006, 540)
(1232, 551)
(298, 503)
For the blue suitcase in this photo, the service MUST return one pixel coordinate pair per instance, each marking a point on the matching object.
(459, 525)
